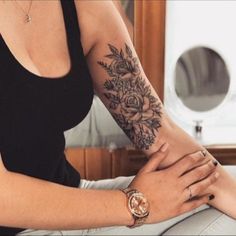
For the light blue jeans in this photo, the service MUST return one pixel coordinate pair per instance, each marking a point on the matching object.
(202, 221)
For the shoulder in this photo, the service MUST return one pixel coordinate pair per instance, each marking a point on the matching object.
(97, 20)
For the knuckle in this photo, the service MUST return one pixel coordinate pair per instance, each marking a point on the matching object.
(207, 168)
(210, 165)
(196, 190)
(200, 188)
(213, 179)
(192, 159)
(200, 155)
(209, 180)
(198, 172)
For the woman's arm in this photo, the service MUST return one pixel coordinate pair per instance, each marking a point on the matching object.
(27, 202)
(122, 85)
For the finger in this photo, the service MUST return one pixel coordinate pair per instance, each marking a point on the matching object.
(198, 188)
(155, 159)
(188, 162)
(193, 204)
(198, 173)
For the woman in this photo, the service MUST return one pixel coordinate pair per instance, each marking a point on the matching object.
(90, 49)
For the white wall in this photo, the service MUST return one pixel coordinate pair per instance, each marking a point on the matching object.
(202, 23)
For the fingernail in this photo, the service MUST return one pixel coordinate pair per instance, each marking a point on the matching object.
(215, 163)
(164, 147)
(211, 197)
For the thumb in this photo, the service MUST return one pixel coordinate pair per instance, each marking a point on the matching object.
(155, 159)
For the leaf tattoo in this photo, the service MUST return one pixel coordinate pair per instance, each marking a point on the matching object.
(131, 104)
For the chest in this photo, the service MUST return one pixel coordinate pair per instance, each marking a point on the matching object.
(28, 96)
(37, 44)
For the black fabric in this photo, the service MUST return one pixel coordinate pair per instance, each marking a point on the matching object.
(35, 111)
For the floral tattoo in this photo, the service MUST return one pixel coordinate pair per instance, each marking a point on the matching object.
(131, 104)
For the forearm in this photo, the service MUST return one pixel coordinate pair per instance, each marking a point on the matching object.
(181, 144)
(224, 189)
(26, 202)
(120, 82)
(137, 109)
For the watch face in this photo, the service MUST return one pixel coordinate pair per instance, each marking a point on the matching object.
(138, 205)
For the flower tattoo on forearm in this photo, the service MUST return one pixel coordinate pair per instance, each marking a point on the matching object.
(131, 104)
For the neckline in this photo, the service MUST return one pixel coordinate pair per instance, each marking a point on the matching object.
(32, 74)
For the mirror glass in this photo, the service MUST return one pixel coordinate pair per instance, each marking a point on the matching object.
(201, 79)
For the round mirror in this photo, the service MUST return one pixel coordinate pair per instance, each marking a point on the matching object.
(201, 79)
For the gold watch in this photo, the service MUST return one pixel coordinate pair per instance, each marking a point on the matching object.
(138, 206)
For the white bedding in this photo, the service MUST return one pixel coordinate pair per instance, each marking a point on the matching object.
(98, 129)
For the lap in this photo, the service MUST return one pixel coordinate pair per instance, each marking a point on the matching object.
(201, 221)
(207, 222)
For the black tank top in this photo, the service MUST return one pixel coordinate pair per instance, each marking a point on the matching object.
(35, 111)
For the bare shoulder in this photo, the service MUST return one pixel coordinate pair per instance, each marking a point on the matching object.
(1, 14)
(97, 20)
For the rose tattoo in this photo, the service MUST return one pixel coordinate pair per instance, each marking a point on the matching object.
(133, 107)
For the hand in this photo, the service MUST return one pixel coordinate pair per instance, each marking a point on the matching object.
(178, 188)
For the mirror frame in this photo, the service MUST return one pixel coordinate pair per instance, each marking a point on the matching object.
(188, 56)
(177, 106)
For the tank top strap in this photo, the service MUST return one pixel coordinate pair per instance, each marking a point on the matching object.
(73, 32)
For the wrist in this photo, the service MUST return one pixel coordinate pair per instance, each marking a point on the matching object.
(128, 219)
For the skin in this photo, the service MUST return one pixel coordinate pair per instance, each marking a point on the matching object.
(125, 18)
(32, 45)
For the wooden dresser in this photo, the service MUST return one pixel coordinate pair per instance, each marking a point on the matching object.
(99, 163)
(225, 154)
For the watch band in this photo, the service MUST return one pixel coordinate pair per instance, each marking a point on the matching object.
(128, 191)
